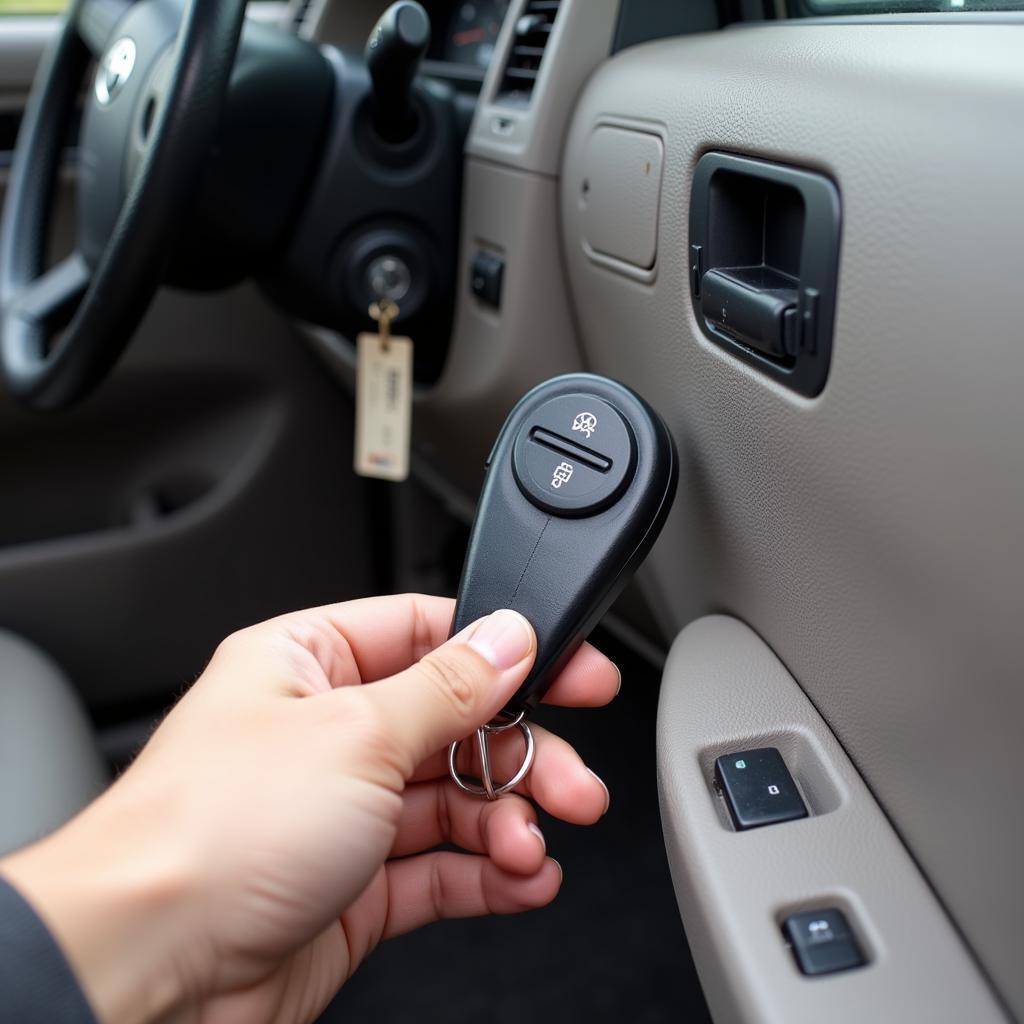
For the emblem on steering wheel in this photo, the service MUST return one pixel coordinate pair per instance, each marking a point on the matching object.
(115, 69)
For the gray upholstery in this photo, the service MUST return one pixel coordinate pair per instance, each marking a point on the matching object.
(50, 764)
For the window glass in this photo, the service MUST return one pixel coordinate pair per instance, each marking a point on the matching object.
(825, 7)
(32, 6)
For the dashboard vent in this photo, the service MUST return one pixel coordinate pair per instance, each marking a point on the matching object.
(299, 15)
(532, 31)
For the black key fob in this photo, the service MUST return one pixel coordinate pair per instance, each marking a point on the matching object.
(578, 487)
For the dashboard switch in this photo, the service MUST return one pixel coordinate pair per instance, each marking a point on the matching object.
(485, 278)
(822, 942)
(758, 788)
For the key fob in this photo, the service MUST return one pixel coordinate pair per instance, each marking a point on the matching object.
(578, 486)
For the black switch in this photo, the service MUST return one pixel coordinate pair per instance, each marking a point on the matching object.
(485, 278)
(758, 788)
(822, 941)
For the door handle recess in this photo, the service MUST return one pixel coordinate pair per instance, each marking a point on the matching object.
(764, 260)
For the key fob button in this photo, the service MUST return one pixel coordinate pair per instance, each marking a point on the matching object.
(559, 482)
(574, 456)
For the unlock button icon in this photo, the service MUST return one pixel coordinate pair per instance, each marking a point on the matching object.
(562, 475)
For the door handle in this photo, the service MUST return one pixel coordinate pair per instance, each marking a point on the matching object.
(764, 257)
(755, 305)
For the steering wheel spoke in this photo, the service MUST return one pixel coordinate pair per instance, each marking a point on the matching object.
(50, 301)
(62, 331)
(95, 21)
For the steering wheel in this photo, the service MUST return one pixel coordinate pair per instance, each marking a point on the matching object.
(150, 118)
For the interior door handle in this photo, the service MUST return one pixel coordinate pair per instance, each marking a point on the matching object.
(764, 257)
(755, 305)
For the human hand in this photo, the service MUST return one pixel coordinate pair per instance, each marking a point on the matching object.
(272, 831)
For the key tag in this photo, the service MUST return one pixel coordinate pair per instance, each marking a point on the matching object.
(383, 398)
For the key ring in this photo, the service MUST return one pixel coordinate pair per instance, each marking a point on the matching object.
(488, 789)
(384, 311)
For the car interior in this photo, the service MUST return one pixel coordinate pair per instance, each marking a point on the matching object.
(792, 227)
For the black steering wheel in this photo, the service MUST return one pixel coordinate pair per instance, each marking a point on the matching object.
(162, 73)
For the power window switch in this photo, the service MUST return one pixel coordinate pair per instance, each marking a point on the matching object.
(822, 942)
(485, 276)
(758, 788)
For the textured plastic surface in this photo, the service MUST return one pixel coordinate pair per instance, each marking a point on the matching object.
(873, 535)
(256, 178)
(769, 243)
(562, 573)
(621, 195)
(531, 138)
(723, 689)
(371, 199)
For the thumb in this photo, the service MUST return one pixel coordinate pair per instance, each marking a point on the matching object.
(456, 687)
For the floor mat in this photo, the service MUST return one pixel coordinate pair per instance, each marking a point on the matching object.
(610, 948)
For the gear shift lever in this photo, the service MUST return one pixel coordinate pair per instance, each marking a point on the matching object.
(393, 54)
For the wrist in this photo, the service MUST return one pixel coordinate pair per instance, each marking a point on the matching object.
(114, 905)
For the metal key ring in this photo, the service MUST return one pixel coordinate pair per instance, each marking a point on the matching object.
(511, 723)
(488, 789)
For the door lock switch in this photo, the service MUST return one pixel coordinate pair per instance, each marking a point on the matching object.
(485, 278)
(822, 942)
(758, 788)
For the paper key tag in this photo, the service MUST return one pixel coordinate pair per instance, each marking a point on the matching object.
(383, 406)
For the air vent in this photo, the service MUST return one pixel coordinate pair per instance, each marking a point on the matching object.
(299, 14)
(532, 31)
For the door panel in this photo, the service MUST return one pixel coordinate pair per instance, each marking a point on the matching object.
(205, 486)
(724, 692)
(872, 535)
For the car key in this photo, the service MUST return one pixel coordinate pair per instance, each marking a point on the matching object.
(578, 486)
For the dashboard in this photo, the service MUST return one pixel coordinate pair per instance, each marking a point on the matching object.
(465, 31)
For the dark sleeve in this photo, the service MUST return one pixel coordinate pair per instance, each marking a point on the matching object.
(36, 982)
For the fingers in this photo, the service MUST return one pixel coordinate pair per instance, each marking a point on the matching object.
(436, 886)
(590, 680)
(559, 780)
(360, 641)
(437, 812)
(453, 689)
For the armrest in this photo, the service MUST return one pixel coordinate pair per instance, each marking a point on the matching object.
(723, 690)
